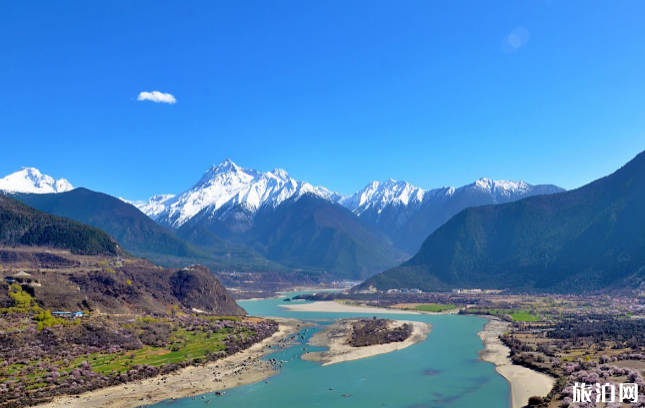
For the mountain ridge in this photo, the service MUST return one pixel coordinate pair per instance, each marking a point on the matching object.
(23, 225)
(139, 234)
(322, 235)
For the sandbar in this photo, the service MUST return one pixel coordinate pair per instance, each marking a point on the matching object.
(335, 337)
(335, 307)
(524, 382)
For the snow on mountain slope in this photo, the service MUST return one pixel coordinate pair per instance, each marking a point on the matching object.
(30, 180)
(229, 190)
(229, 185)
(154, 206)
(502, 191)
(408, 214)
(378, 195)
(504, 188)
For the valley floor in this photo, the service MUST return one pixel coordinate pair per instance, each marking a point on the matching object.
(245, 367)
(523, 381)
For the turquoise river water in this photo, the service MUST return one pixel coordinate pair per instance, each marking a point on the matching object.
(443, 371)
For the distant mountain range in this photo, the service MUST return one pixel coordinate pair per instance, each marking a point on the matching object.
(584, 240)
(140, 235)
(408, 214)
(29, 180)
(228, 197)
(238, 217)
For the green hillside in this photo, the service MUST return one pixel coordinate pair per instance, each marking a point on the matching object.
(313, 233)
(134, 230)
(22, 225)
(142, 236)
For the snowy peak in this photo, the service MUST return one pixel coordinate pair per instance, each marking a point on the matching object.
(279, 173)
(378, 195)
(505, 190)
(228, 191)
(501, 185)
(30, 180)
(227, 166)
(228, 185)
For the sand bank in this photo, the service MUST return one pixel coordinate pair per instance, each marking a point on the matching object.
(336, 337)
(335, 307)
(524, 382)
(219, 375)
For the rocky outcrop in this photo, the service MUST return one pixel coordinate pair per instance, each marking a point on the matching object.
(197, 288)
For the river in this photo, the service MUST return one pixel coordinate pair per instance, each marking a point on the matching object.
(443, 371)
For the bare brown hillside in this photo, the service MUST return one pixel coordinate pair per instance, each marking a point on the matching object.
(60, 280)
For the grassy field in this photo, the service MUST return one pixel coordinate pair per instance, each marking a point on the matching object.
(192, 345)
(516, 314)
(523, 316)
(434, 307)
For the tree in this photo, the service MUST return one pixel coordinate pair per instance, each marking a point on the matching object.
(535, 401)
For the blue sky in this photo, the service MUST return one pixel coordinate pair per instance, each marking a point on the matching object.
(338, 93)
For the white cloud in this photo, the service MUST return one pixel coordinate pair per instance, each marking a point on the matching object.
(156, 96)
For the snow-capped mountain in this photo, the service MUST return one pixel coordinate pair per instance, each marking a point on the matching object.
(500, 188)
(30, 180)
(503, 191)
(378, 195)
(154, 206)
(408, 214)
(227, 199)
(228, 186)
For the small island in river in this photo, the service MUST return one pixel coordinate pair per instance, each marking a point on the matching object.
(351, 339)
